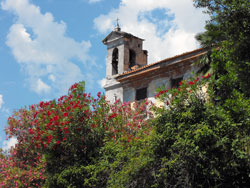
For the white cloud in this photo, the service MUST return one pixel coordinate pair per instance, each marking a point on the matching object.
(102, 82)
(41, 87)
(168, 26)
(3, 109)
(7, 144)
(1, 101)
(52, 78)
(94, 1)
(40, 45)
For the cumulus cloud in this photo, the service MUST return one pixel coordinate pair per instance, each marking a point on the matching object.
(168, 26)
(3, 109)
(94, 1)
(1, 101)
(50, 59)
(41, 87)
(102, 82)
(7, 144)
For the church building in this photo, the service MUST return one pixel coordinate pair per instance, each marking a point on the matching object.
(129, 77)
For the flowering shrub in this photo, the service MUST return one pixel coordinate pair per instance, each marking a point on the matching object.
(185, 94)
(127, 119)
(16, 173)
(55, 135)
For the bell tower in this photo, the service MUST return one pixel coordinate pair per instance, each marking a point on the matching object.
(124, 53)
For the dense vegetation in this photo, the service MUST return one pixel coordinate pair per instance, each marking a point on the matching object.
(199, 138)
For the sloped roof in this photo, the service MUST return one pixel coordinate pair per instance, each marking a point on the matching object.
(184, 57)
(117, 34)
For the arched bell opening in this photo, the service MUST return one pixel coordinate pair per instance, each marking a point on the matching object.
(115, 56)
(132, 58)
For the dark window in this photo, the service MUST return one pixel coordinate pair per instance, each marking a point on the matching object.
(115, 62)
(132, 58)
(175, 82)
(141, 94)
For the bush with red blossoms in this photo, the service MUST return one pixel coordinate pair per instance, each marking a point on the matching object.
(17, 173)
(59, 134)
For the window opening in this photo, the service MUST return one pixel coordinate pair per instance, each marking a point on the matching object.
(132, 58)
(175, 82)
(141, 94)
(115, 62)
(115, 98)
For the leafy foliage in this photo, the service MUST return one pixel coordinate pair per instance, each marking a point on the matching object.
(199, 144)
(62, 140)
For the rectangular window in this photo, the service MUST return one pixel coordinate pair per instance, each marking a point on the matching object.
(141, 94)
(175, 82)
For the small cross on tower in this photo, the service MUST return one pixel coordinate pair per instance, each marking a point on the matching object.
(117, 25)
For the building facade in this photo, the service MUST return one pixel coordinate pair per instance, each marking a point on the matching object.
(128, 75)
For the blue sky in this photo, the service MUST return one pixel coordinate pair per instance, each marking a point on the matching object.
(47, 45)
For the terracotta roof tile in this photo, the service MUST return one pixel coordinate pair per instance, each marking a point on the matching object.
(162, 61)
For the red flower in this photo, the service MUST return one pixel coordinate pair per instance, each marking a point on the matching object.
(112, 116)
(70, 96)
(35, 115)
(99, 94)
(31, 131)
(41, 104)
(65, 114)
(57, 142)
(49, 138)
(55, 118)
(197, 79)
(208, 76)
(191, 83)
(65, 128)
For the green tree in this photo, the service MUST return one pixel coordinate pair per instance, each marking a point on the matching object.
(200, 144)
(204, 142)
(229, 30)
